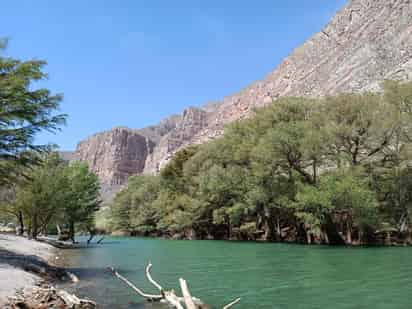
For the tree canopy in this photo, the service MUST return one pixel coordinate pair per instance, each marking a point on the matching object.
(55, 193)
(329, 170)
(25, 110)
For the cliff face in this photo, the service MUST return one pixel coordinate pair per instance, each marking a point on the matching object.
(367, 42)
(192, 121)
(121, 152)
(114, 156)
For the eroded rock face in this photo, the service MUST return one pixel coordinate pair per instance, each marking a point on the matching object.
(192, 121)
(115, 155)
(367, 42)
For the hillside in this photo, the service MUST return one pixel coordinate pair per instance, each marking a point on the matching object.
(364, 44)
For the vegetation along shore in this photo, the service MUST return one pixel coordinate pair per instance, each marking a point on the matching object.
(334, 170)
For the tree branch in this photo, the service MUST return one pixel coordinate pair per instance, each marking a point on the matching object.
(232, 303)
(186, 294)
(150, 297)
(149, 277)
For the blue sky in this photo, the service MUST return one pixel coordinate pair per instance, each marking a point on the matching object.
(133, 62)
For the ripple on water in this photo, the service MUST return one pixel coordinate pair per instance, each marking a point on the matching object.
(264, 275)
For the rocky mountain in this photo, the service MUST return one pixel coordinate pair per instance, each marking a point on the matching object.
(367, 42)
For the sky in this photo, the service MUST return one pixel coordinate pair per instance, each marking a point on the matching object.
(134, 62)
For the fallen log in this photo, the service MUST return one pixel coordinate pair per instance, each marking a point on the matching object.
(187, 301)
(190, 304)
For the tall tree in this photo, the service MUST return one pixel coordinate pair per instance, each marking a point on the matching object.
(82, 198)
(42, 195)
(24, 111)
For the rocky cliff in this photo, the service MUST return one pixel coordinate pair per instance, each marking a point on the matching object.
(367, 42)
(114, 156)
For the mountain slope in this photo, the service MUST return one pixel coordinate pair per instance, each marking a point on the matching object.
(367, 42)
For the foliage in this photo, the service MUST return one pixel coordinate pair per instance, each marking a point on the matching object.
(57, 193)
(24, 112)
(329, 170)
(82, 198)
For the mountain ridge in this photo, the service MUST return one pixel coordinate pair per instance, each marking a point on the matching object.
(365, 43)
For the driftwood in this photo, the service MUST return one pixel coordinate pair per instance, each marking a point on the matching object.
(48, 297)
(60, 244)
(232, 303)
(72, 300)
(187, 301)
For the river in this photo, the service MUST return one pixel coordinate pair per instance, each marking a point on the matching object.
(264, 275)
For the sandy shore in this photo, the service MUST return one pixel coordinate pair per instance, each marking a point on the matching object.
(12, 277)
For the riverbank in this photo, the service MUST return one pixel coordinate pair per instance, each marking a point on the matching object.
(11, 246)
(27, 270)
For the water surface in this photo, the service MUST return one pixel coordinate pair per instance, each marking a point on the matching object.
(264, 275)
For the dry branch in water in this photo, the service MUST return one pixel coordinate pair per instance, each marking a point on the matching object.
(187, 301)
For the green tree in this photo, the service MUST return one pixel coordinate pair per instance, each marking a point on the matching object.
(342, 196)
(82, 198)
(120, 209)
(42, 196)
(329, 170)
(361, 127)
(24, 111)
(143, 215)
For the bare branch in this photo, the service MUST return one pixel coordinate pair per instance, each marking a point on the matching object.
(136, 289)
(186, 294)
(232, 303)
(149, 277)
(172, 299)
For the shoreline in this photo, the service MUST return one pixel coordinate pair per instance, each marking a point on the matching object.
(355, 244)
(9, 267)
(28, 270)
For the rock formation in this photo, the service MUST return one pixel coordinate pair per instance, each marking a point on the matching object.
(192, 121)
(367, 42)
(114, 156)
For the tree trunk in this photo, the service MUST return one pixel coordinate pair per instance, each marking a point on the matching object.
(278, 229)
(308, 238)
(91, 235)
(34, 227)
(72, 232)
(314, 170)
(325, 237)
(333, 235)
(229, 229)
(348, 233)
(21, 224)
(360, 235)
(269, 228)
(59, 231)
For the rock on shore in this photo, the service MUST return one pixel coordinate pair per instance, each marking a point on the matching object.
(12, 278)
(26, 266)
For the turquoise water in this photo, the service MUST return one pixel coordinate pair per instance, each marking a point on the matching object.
(264, 275)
